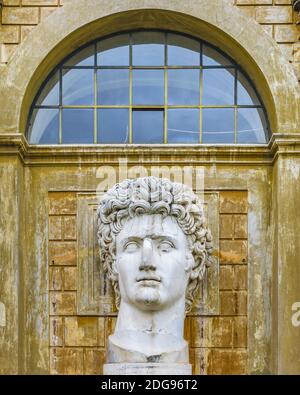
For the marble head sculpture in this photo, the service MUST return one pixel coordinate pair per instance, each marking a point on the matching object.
(155, 247)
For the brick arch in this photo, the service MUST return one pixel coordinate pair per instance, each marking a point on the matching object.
(216, 21)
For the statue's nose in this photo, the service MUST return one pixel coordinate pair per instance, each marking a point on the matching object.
(147, 256)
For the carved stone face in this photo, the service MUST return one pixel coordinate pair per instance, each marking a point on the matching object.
(153, 262)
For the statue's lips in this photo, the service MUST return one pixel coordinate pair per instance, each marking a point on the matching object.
(148, 279)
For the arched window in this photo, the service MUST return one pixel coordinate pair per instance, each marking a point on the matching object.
(148, 87)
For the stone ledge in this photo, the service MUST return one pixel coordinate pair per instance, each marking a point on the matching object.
(34, 155)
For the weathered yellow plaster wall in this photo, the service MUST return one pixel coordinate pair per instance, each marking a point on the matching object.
(268, 175)
(11, 190)
(42, 337)
(57, 340)
(288, 266)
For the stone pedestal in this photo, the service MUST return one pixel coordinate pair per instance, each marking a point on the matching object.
(176, 369)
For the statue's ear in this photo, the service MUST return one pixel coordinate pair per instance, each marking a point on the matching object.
(114, 269)
(195, 269)
(190, 263)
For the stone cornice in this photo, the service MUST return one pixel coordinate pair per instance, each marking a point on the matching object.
(13, 144)
(284, 144)
(32, 155)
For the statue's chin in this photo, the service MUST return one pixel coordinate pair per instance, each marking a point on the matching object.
(148, 297)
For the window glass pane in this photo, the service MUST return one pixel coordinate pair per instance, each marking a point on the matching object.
(101, 74)
(251, 125)
(148, 87)
(183, 126)
(148, 49)
(218, 125)
(113, 126)
(50, 93)
(148, 127)
(245, 93)
(78, 87)
(113, 87)
(113, 51)
(85, 57)
(183, 87)
(218, 87)
(212, 57)
(78, 126)
(183, 51)
(44, 127)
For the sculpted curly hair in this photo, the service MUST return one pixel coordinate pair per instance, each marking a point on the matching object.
(151, 195)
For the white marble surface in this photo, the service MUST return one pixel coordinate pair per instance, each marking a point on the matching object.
(155, 246)
(154, 263)
(157, 369)
(126, 346)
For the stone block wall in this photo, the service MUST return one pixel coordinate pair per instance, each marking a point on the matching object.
(218, 343)
(77, 344)
(19, 17)
(280, 22)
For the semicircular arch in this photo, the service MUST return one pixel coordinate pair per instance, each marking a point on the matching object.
(217, 22)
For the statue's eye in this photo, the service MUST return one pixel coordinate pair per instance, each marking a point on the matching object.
(131, 246)
(166, 246)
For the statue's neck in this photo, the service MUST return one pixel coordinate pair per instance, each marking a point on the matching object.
(142, 335)
(169, 321)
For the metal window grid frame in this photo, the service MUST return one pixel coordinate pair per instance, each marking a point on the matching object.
(131, 106)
